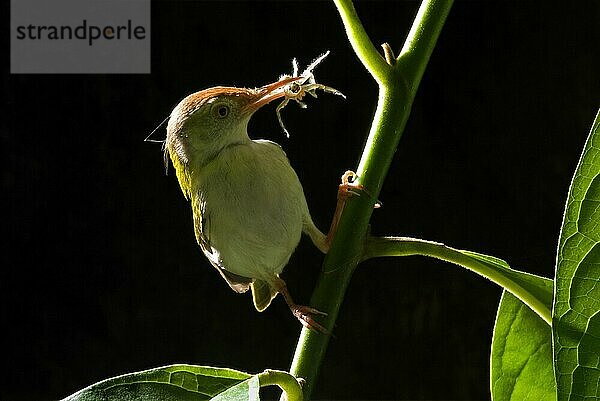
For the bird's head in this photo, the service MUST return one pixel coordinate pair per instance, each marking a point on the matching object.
(205, 122)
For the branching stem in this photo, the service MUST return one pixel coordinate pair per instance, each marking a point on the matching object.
(397, 88)
(379, 69)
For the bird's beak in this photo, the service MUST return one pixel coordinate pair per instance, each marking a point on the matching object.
(268, 93)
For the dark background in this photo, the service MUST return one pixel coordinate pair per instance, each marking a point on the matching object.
(101, 274)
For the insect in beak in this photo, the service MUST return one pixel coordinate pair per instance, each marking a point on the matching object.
(269, 93)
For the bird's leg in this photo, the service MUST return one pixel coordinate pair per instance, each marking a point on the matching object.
(302, 313)
(347, 188)
(316, 236)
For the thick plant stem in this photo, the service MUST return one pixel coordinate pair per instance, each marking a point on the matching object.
(345, 253)
(396, 94)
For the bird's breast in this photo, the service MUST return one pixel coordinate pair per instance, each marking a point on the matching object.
(252, 206)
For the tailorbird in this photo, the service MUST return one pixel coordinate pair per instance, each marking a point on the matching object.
(249, 209)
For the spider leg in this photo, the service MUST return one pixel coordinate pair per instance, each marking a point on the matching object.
(316, 62)
(332, 91)
(313, 88)
(312, 92)
(301, 103)
(295, 67)
(278, 112)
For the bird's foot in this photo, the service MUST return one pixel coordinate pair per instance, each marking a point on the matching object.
(303, 314)
(348, 188)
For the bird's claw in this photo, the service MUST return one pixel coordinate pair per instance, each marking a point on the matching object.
(303, 314)
(349, 187)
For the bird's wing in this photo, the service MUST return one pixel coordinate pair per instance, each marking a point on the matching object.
(237, 283)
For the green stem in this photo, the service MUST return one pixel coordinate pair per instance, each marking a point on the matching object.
(286, 382)
(396, 95)
(421, 41)
(516, 282)
(362, 45)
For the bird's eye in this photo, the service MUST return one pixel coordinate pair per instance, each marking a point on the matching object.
(222, 110)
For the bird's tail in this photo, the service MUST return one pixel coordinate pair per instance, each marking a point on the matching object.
(262, 294)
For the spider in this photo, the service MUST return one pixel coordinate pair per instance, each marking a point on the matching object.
(298, 89)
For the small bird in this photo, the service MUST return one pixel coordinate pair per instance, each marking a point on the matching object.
(248, 205)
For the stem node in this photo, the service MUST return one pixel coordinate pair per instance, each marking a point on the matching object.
(389, 54)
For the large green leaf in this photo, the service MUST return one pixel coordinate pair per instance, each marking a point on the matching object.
(174, 383)
(521, 358)
(576, 318)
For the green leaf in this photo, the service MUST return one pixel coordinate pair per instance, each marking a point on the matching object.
(535, 285)
(576, 318)
(174, 383)
(246, 390)
(521, 359)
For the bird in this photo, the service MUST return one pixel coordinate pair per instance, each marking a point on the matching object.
(248, 205)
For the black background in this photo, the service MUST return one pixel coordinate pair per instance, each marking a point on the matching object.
(101, 274)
